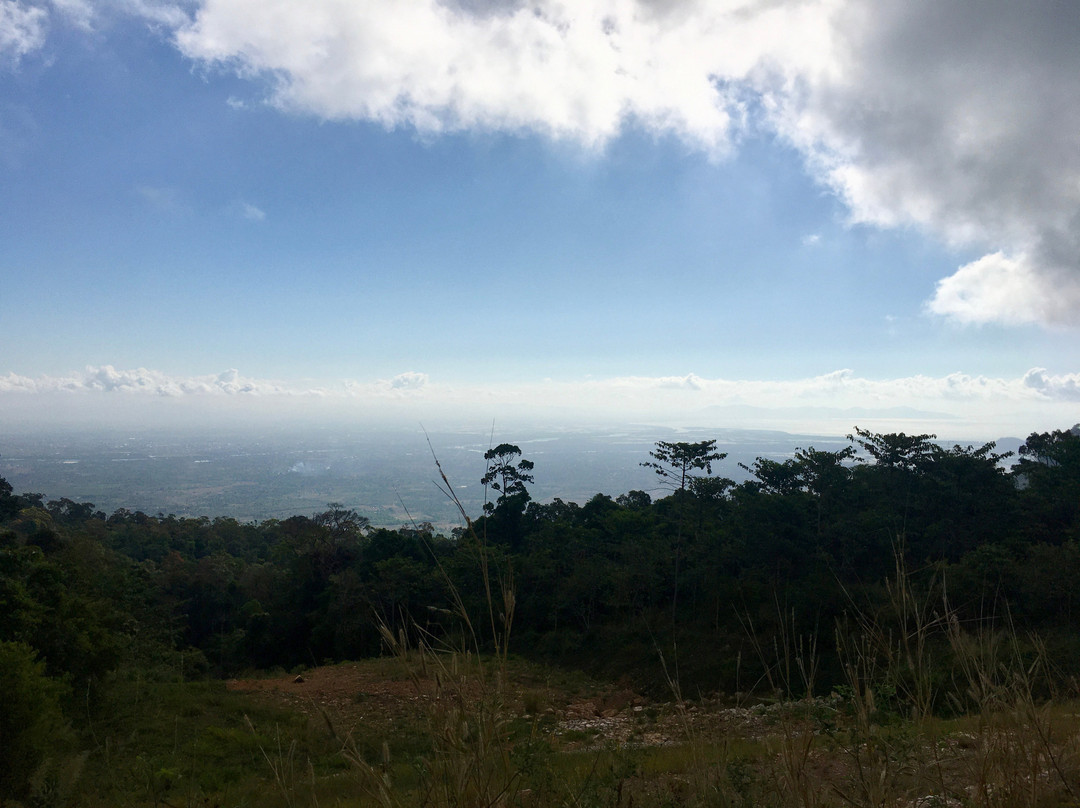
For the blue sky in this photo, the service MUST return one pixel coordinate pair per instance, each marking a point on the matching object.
(608, 209)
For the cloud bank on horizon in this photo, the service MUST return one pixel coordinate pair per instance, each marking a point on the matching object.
(1020, 404)
(962, 121)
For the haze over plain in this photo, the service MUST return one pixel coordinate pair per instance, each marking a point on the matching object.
(778, 214)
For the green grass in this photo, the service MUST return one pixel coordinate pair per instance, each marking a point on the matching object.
(182, 743)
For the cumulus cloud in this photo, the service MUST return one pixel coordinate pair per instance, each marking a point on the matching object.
(1009, 290)
(1064, 388)
(965, 122)
(961, 120)
(577, 70)
(14, 383)
(409, 381)
(22, 30)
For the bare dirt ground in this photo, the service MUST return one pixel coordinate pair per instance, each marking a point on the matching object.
(384, 693)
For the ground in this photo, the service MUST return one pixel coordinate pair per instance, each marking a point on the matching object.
(578, 711)
(810, 751)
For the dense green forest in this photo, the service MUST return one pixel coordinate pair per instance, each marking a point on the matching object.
(693, 583)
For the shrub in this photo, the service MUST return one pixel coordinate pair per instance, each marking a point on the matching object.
(31, 723)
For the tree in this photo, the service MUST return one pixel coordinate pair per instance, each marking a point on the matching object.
(1060, 448)
(896, 450)
(963, 499)
(69, 512)
(507, 476)
(774, 477)
(823, 472)
(675, 463)
(1048, 475)
(9, 503)
(635, 500)
(343, 523)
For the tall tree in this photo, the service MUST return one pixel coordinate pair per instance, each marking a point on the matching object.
(896, 450)
(507, 475)
(344, 524)
(676, 463)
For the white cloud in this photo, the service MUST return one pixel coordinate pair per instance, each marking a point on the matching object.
(827, 387)
(578, 70)
(251, 212)
(107, 379)
(79, 12)
(1009, 290)
(409, 381)
(961, 120)
(24, 26)
(688, 382)
(22, 30)
(1064, 388)
(958, 403)
(172, 15)
(14, 383)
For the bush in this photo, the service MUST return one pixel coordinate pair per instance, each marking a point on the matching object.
(31, 723)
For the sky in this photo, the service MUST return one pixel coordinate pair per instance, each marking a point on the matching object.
(786, 213)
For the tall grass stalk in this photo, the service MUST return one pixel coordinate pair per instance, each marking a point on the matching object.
(1023, 752)
(789, 658)
(282, 762)
(1020, 753)
(472, 761)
